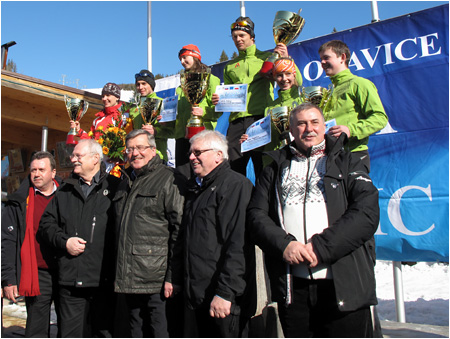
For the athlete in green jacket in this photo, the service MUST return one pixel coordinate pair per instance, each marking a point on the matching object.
(245, 69)
(145, 86)
(190, 59)
(354, 103)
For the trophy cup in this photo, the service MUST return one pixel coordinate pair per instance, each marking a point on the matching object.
(149, 108)
(316, 95)
(286, 28)
(194, 86)
(76, 109)
(280, 119)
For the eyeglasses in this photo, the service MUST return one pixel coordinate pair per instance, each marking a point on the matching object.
(240, 23)
(200, 152)
(143, 74)
(78, 156)
(139, 148)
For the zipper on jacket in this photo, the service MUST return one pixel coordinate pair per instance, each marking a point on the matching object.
(308, 158)
(92, 229)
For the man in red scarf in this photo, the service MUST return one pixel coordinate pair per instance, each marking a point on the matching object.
(28, 267)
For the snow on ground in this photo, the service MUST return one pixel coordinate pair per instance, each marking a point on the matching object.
(425, 292)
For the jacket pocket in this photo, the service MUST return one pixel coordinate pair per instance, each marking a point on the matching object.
(149, 263)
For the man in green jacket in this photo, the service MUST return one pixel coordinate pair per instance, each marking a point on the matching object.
(245, 69)
(354, 103)
(145, 86)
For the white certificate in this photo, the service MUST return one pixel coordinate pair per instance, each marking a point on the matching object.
(232, 98)
(259, 134)
(169, 110)
(329, 123)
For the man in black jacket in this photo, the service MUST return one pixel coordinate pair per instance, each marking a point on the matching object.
(79, 227)
(215, 248)
(26, 262)
(314, 213)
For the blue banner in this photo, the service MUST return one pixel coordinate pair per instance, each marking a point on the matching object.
(407, 58)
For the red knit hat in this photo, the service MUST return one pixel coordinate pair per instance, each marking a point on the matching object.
(191, 50)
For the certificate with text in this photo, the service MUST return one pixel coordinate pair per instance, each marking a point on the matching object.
(232, 98)
(259, 134)
(169, 111)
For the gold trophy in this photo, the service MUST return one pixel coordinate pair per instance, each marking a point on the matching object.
(149, 108)
(316, 95)
(286, 28)
(280, 119)
(76, 109)
(194, 86)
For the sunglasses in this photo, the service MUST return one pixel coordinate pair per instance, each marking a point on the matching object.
(241, 24)
(144, 74)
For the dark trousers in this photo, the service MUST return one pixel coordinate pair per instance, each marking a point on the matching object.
(39, 307)
(238, 160)
(86, 311)
(202, 325)
(182, 147)
(314, 313)
(147, 315)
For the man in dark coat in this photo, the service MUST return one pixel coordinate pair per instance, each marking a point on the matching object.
(79, 227)
(314, 213)
(26, 262)
(149, 209)
(215, 248)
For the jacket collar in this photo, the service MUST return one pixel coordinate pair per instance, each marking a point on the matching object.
(113, 110)
(249, 51)
(22, 192)
(290, 93)
(210, 178)
(341, 77)
(150, 167)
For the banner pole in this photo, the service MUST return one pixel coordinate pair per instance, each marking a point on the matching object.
(398, 288)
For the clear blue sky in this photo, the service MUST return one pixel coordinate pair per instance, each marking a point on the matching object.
(102, 41)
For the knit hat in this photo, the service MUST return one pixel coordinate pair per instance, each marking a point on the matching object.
(146, 76)
(111, 89)
(244, 23)
(191, 50)
(283, 65)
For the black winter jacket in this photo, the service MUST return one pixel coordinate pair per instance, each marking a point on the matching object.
(13, 233)
(148, 216)
(347, 244)
(70, 214)
(214, 226)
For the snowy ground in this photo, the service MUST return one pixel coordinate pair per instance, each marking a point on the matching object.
(425, 287)
(425, 290)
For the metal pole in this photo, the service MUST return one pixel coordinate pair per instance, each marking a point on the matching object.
(242, 8)
(44, 138)
(375, 16)
(398, 288)
(149, 36)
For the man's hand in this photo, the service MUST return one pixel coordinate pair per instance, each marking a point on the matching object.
(171, 290)
(197, 111)
(11, 292)
(337, 130)
(215, 99)
(282, 50)
(310, 249)
(75, 246)
(243, 138)
(149, 128)
(219, 308)
(75, 124)
(296, 252)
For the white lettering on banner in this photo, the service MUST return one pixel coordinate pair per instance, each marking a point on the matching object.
(394, 211)
(425, 47)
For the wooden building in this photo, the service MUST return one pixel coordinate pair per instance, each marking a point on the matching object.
(29, 104)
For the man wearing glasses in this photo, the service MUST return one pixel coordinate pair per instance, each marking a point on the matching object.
(78, 226)
(149, 209)
(145, 87)
(245, 69)
(215, 251)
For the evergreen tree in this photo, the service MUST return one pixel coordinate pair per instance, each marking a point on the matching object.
(11, 66)
(235, 55)
(223, 57)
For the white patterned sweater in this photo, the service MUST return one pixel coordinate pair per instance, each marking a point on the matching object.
(304, 203)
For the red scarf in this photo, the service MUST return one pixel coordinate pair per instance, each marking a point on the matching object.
(29, 279)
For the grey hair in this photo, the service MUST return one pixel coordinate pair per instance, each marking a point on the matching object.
(134, 133)
(303, 107)
(213, 140)
(93, 146)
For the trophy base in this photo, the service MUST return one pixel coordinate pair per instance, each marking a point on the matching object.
(191, 131)
(71, 139)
